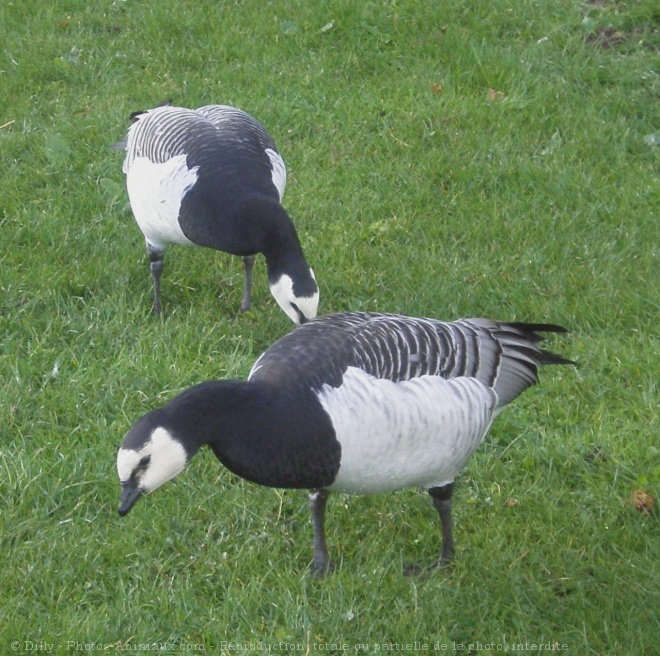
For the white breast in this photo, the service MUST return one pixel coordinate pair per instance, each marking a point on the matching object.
(417, 433)
(278, 172)
(156, 191)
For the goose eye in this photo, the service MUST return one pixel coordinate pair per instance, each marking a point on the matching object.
(144, 462)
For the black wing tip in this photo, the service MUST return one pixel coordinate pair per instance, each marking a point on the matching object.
(548, 357)
(136, 114)
(531, 331)
(536, 327)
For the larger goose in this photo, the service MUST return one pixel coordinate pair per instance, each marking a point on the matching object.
(213, 177)
(357, 403)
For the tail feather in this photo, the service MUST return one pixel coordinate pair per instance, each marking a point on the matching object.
(530, 333)
(520, 356)
(536, 328)
(123, 142)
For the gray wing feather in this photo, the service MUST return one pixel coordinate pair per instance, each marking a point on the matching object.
(235, 121)
(164, 132)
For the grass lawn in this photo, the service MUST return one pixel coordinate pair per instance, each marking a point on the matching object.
(445, 159)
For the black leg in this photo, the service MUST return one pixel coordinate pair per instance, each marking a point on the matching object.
(317, 502)
(246, 301)
(441, 497)
(156, 258)
(442, 501)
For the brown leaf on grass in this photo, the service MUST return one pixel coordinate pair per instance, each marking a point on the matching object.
(511, 502)
(610, 37)
(436, 88)
(596, 455)
(494, 95)
(643, 501)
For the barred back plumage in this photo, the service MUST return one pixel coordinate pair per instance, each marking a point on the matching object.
(164, 132)
(503, 356)
(236, 122)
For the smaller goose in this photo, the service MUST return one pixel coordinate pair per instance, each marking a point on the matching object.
(213, 177)
(358, 403)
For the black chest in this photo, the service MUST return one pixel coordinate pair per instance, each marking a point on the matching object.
(290, 446)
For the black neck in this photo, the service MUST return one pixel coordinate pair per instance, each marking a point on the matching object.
(275, 436)
(272, 233)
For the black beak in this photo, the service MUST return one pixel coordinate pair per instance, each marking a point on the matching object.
(301, 317)
(130, 493)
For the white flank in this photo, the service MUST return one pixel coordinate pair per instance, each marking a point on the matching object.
(279, 171)
(417, 433)
(168, 458)
(282, 291)
(256, 366)
(156, 191)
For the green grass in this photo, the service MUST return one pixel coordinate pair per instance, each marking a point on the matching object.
(445, 159)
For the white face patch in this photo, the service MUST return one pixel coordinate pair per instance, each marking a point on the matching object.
(156, 191)
(282, 291)
(167, 458)
(416, 433)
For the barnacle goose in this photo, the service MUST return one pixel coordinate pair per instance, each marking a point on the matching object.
(213, 177)
(357, 403)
